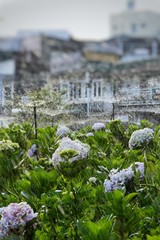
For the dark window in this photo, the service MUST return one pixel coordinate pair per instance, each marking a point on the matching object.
(95, 89)
(99, 89)
(79, 90)
(86, 90)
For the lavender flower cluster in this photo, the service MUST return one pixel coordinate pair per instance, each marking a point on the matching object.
(118, 179)
(98, 126)
(67, 144)
(14, 218)
(32, 151)
(140, 137)
(62, 132)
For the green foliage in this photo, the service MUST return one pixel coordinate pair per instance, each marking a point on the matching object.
(101, 230)
(127, 215)
(71, 200)
(47, 141)
(118, 130)
(153, 238)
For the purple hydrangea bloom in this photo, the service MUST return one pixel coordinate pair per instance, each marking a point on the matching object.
(32, 150)
(14, 217)
(118, 179)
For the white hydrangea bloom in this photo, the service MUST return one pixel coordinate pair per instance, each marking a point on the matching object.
(62, 131)
(66, 144)
(98, 126)
(140, 137)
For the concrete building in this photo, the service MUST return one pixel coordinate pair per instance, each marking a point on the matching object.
(102, 52)
(135, 23)
(7, 75)
(135, 49)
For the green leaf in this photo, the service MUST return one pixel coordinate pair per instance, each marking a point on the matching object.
(129, 197)
(88, 230)
(153, 237)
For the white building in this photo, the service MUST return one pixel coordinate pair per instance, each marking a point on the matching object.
(135, 23)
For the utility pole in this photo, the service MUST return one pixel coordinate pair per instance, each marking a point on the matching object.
(35, 121)
(88, 82)
(113, 104)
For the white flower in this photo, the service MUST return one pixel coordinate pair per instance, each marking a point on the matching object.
(98, 126)
(139, 137)
(62, 131)
(92, 179)
(67, 144)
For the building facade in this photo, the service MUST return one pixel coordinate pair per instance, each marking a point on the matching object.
(135, 24)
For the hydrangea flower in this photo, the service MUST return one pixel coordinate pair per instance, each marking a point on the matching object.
(110, 186)
(68, 144)
(32, 151)
(118, 179)
(139, 167)
(14, 217)
(98, 126)
(140, 137)
(62, 131)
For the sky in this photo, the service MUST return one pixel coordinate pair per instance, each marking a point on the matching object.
(83, 19)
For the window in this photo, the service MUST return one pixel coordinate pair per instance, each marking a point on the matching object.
(133, 27)
(75, 90)
(143, 25)
(97, 91)
(79, 90)
(64, 87)
(86, 90)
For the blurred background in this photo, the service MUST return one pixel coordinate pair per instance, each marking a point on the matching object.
(104, 55)
(85, 19)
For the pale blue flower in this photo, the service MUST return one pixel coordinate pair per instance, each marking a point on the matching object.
(141, 137)
(98, 126)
